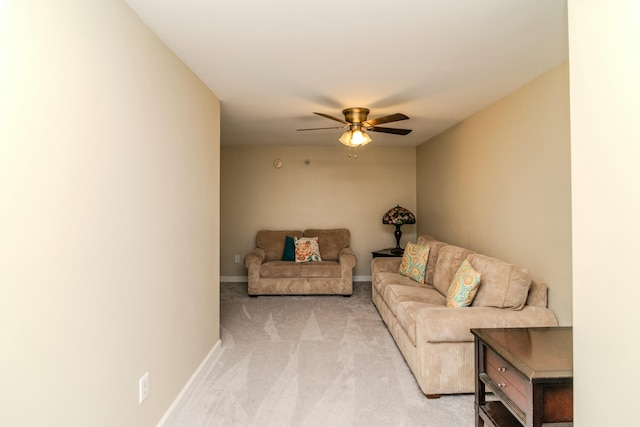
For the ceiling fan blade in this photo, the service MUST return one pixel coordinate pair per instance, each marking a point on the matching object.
(332, 118)
(332, 127)
(390, 130)
(387, 119)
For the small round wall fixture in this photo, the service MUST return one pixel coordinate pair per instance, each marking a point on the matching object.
(277, 163)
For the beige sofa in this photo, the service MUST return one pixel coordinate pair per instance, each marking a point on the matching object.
(269, 275)
(434, 339)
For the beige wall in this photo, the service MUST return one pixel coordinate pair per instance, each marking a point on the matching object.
(499, 183)
(109, 209)
(605, 153)
(331, 191)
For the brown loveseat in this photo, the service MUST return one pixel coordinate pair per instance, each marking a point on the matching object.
(268, 274)
(434, 339)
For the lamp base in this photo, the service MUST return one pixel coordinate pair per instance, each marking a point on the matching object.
(398, 234)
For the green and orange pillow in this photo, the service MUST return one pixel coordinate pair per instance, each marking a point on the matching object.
(464, 286)
(414, 262)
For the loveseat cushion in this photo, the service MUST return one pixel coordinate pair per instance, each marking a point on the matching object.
(275, 269)
(272, 242)
(449, 259)
(320, 269)
(503, 285)
(330, 241)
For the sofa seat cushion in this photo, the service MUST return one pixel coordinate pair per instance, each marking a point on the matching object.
(320, 269)
(407, 313)
(503, 285)
(275, 269)
(383, 279)
(396, 294)
(446, 324)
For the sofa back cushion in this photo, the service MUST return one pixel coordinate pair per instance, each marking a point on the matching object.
(272, 242)
(435, 246)
(330, 241)
(449, 259)
(425, 239)
(503, 285)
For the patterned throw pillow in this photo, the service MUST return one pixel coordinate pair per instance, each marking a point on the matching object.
(414, 261)
(307, 249)
(464, 286)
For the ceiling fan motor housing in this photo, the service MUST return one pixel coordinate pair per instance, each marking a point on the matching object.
(355, 115)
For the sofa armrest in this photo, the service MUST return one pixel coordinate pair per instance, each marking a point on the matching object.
(385, 265)
(446, 324)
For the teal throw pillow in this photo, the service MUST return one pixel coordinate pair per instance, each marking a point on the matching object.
(289, 249)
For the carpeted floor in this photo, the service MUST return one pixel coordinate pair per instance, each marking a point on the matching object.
(312, 361)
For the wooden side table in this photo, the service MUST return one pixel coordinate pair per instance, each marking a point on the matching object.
(529, 371)
(381, 253)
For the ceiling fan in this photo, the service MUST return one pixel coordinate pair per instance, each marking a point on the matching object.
(358, 125)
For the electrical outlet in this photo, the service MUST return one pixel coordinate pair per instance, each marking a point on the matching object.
(143, 387)
(236, 259)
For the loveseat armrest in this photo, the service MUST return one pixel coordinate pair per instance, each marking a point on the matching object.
(385, 265)
(254, 258)
(347, 258)
(446, 324)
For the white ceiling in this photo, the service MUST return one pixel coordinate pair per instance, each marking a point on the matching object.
(273, 63)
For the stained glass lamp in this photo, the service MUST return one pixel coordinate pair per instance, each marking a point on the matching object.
(398, 216)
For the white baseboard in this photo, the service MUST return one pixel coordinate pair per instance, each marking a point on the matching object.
(233, 279)
(243, 279)
(208, 362)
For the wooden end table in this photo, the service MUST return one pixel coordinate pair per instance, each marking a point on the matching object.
(382, 253)
(529, 371)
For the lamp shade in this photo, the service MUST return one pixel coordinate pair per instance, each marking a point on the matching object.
(398, 216)
(355, 137)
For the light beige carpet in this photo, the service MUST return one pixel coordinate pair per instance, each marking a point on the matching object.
(312, 361)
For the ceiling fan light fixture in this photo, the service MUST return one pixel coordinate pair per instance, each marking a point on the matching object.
(355, 137)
